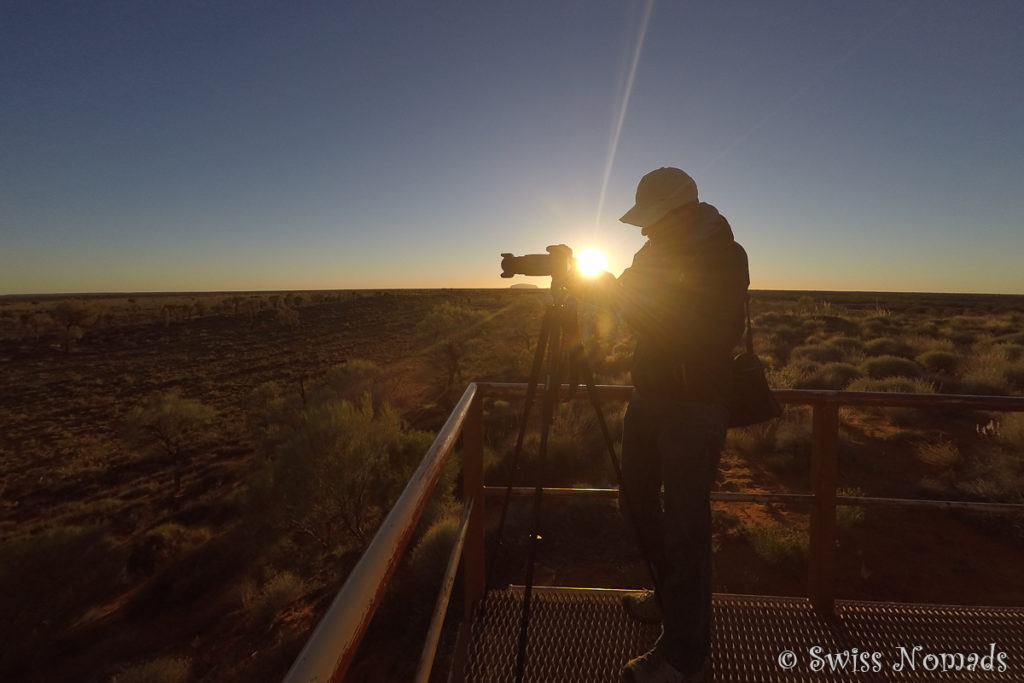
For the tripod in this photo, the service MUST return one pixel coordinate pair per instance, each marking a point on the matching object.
(559, 349)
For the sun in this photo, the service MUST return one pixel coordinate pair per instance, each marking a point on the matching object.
(591, 262)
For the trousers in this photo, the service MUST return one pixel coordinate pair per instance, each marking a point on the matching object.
(676, 444)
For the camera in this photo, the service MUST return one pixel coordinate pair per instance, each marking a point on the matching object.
(558, 263)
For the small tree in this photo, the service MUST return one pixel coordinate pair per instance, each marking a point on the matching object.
(171, 424)
(73, 318)
(451, 332)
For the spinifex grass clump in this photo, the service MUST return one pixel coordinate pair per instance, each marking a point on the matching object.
(838, 375)
(993, 369)
(782, 445)
(887, 346)
(820, 353)
(890, 366)
(938, 361)
(849, 345)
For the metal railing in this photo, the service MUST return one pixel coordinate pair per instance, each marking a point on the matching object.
(330, 650)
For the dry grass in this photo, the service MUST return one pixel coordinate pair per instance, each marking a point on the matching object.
(942, 455)
(778, 544)
(888, 346)
(162, 670)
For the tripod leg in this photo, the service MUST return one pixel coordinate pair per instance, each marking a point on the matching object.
(547, 324)
(550, 398)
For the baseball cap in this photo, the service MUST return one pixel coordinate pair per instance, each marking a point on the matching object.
(659, 192)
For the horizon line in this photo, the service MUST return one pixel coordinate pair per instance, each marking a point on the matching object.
(520, 287)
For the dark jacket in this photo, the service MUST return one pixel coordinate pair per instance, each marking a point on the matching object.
(684, 297)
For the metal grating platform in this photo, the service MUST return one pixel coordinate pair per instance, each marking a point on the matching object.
(584, 635)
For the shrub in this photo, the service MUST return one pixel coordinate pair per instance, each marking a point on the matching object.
(887, 346)
(938, 361)
(343, 467)
(73, 318)
(350, 381)
(429, 558)
(576, 454)
(270, 416)
(890, 366)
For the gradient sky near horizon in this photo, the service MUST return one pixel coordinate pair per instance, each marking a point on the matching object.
(195, 146)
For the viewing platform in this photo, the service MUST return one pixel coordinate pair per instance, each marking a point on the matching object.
(583, 634)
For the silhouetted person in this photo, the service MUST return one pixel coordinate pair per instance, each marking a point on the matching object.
(684, 298)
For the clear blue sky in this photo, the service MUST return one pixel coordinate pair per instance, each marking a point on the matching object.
(153, 146)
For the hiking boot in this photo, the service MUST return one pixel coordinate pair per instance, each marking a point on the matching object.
(652, 667)
(642, 606)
